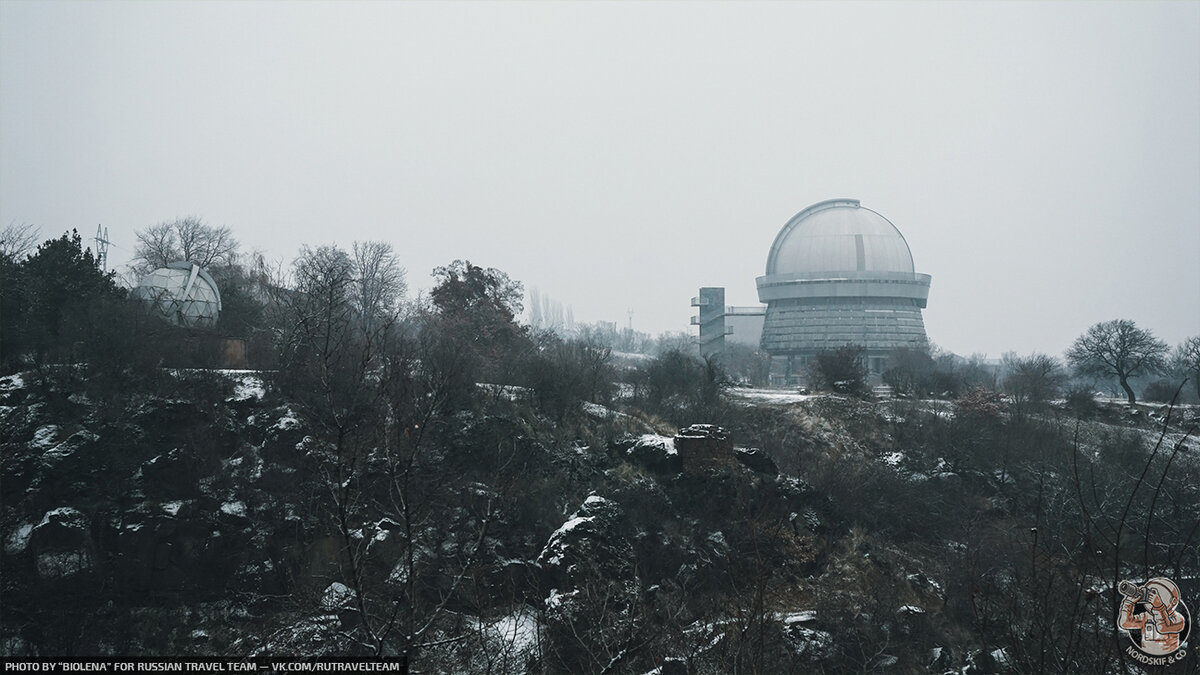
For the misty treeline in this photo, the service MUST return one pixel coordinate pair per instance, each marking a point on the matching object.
(1110, 357)
(61, 308)
(443, 484)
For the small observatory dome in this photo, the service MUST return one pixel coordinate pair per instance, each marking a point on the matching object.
(838, 235)
(183, 293)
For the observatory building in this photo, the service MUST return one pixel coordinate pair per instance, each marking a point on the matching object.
(837, 274)
(184, 293)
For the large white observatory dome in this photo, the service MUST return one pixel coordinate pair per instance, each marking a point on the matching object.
(183, 293)
(838, 236)
(839, 274)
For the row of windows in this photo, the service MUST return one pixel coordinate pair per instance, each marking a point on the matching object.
(815, 315)
(795, 341)
(856, 311)
(846, 301)
(807, 328)
(875, 364)
(809, 350)
(843, 317)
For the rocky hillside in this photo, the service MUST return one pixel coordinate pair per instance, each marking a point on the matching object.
(211, 513)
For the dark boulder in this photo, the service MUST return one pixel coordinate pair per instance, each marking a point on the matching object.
(654, 452)
(756, 460)
(62, 544)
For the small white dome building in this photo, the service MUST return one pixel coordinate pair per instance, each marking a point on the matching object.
(839, 274)
(184, 293)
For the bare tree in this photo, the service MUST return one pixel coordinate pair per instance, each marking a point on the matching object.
(379, 283)
(1032, 379)
(1186, 359)
(376, 395)
(207, 245)
(18, 241)
(155, 248)
(187, 238)
(1118, 349)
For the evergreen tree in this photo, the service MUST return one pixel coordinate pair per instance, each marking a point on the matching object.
(49, 300)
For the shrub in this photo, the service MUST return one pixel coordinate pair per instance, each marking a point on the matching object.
(843, 370)
(1160, 391)
(1081, 401)
(563, 374)
(682, 388)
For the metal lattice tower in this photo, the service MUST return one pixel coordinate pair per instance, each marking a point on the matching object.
(102, 243)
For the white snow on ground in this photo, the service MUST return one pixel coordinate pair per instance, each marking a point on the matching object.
(893, 458)
(596, 410)
(19, 539)
(803, 616)
(234, 509)
(247, 384)
(172, 508)
(632, 356)
(809, 641)
(511, 392)
(601, 412)
(518, 631)
(776, 396)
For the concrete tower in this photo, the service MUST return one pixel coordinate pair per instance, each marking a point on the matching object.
(839, 274)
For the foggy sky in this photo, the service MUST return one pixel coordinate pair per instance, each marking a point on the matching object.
(1042, 159)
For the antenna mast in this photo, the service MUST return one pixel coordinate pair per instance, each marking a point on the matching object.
(102, 243)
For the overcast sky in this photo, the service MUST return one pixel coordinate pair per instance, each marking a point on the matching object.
(1042, 159)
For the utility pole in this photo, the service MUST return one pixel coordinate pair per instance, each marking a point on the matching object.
(102, 243)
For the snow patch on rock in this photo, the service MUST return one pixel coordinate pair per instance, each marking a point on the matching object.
(19, 539)
(666, 443)
(45, 436)
(336, 595)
